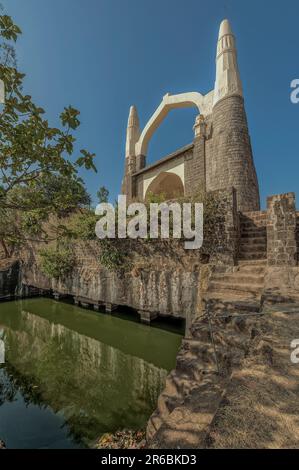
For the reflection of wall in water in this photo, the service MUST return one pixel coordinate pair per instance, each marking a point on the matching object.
(73, 369)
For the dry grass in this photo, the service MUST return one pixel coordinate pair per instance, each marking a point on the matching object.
(261, 405)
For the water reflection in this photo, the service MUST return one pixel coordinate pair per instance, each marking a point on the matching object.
(71, 375)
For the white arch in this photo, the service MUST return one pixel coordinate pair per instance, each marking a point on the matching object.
(169, 102)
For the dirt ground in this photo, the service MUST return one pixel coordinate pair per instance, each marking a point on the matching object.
(260, 408)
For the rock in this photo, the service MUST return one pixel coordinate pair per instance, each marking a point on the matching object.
(125, 439)
(2, 445)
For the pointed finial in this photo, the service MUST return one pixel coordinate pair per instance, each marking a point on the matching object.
(133, 120)
(133, 131)
(224, 29)
(226, 39)
(227, 72)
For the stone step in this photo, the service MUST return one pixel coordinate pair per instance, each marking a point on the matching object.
(233, 304)
(253, 215)
(245, 217)
(244, 267)
(253, 249)
(261, 218)
(256, 220)
(247, 226)
(239, 278)
(259, 222)
(218, 286)
(245, 263)
(250, 224)
(251, 270)
(253, 230)
(252, 235)
(246, 238)
(253, 256)
(253, 241)
(249, 250)
(252, 244)
(256, 233)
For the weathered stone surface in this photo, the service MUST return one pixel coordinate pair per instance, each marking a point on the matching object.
(229, 160)
(164, 284)
(281, 284)
(281, 230)
(9, 280)
(194, 391)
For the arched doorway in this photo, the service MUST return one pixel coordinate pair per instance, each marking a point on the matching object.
(167, 184)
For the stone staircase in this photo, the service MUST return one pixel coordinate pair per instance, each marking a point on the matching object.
(216, 343)
(253, 242)
(239, 288)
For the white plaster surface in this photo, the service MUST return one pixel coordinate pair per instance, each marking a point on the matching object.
(169, 102)
(228, 80)
(169, 167)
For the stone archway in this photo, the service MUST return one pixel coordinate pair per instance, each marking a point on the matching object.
(167, 184)
(169, 102)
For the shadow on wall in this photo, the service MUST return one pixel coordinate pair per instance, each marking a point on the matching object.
(168, 184)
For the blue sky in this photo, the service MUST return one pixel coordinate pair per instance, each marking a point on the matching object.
(101, 56)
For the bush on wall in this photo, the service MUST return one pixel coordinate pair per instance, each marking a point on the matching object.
(56, 263)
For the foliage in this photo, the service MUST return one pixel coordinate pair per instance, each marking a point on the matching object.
(124, 439)
(61, 194)
(112, 256)
(155, 198)
(56, 263)
(38, 172)
(31, 222)
(82, 225)
(103, 194)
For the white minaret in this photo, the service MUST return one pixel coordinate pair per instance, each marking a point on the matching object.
(133, 132)
(228, 80)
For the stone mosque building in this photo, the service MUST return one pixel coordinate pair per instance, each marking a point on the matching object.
(220, 155)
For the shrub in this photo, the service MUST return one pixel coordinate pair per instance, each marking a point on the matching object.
(111, 256)
(82, 225)
(31, 222)
(56, 263)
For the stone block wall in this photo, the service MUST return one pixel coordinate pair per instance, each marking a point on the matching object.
(9, 280)
(281, 230)
(228, 253)
(163, 279)
(229, 161)
(195, 168)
